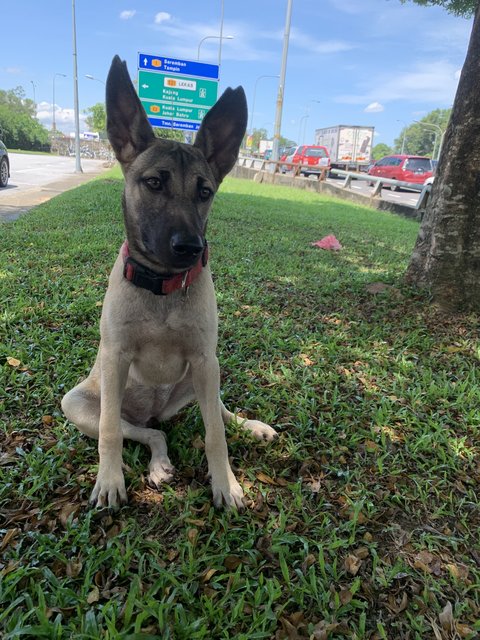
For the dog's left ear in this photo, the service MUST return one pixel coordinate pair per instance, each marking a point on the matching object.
(222, 130)
(128, 129)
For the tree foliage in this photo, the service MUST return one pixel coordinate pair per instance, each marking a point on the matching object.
(18, 125)
(96, 118)
(463, 8)
(169, 134)
(424, 137)
(380, 150)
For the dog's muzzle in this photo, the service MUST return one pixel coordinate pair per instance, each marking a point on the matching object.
(186, 247)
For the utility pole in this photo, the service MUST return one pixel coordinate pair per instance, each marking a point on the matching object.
(281, 84)
(78, 166)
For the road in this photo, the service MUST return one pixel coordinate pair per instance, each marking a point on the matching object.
(35, 178)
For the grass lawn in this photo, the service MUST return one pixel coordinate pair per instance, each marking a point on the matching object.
(363, 517)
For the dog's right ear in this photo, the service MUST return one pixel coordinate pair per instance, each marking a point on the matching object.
(222, 130)
(128, 129)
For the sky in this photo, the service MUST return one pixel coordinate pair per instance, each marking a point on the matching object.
(363, 62)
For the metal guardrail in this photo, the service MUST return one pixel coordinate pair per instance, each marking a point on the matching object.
(272, 166)
(424, 189)
(276, 166)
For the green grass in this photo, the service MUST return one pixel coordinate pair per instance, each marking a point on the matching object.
(363, 517)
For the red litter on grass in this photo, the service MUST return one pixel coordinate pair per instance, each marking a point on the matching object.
(328, 242)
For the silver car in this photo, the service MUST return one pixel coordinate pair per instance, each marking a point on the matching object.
(4, 165)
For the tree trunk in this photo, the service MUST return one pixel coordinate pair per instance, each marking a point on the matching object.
(446, 257)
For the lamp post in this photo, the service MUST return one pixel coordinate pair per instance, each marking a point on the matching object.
(404, 134)
(78, 165)
(54, 127)
(442, 133)
(90, 77)
(34, 101)
(305, 117)
(215, 38)
(281, 84)
(302, 119)
(254, 98)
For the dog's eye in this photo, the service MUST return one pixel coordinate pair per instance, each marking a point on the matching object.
(205, 193)
(154, 183)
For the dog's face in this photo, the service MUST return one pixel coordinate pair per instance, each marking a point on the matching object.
(169, 186)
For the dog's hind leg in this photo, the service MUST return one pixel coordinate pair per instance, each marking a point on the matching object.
(82, 407)
(258, 429)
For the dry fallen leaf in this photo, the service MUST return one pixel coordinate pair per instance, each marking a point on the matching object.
(352, 564)
(264, 478)
(232, 562)
(192, 535)
(208, 574)
(8, 537)
(93, 596)
(345, 596)
(67, 510)
(13, 362)
(446, 617)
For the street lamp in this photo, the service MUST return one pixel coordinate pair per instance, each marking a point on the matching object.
(254, 98)
(90, 77)
(53, 104)
(78, 165)
(281, 84)
(214, 37)
(436, 126)
(34, 101)
(404, 134)
(305, 117)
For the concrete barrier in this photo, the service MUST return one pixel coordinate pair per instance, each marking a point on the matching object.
(319, 186)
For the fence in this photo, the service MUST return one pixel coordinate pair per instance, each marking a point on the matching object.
(98, 149)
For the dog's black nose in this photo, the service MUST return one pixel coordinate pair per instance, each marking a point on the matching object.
(186, 246)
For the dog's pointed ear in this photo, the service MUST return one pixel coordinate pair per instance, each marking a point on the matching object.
(128, 129)
(222, 130)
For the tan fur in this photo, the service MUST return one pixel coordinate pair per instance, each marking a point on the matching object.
(158, 353)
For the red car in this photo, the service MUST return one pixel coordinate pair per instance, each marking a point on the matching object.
(316, 157)
(415, 169)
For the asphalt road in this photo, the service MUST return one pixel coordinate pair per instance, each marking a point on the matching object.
(37, 178)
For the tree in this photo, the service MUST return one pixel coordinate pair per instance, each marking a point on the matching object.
(169, 134)
(465, 8)
(423, 138)
(446, 256)
(18, 125)
(96, 118)
(380, 150)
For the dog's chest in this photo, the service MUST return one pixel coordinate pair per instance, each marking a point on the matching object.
(159, 356)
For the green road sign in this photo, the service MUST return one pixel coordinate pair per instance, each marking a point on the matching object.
(154, 108)
(177, 90)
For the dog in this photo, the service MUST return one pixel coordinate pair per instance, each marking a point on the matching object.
(158, 329)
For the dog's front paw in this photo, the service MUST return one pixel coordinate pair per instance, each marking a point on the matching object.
(226, 491)
(109, 491)
(160, 471)
(260, 430)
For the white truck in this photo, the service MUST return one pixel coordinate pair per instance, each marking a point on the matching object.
(349, 146)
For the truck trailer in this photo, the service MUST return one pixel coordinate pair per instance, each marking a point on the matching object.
(349, 146)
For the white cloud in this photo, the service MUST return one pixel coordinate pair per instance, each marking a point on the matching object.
(431, 82)
(64, 118)
(127, 15)
(374, 107)
(162, 16)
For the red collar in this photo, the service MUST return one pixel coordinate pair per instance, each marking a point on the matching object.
(160, 285)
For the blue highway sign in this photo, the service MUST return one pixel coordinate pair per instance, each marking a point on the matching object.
(178, 67)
